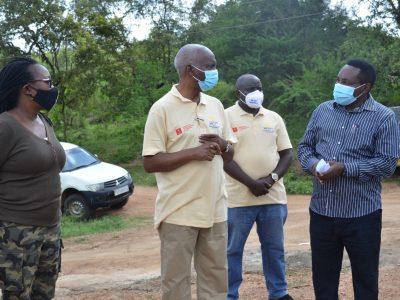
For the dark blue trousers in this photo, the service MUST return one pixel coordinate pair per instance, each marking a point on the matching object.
(362, 239)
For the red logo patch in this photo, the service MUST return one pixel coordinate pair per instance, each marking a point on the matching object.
(178, 131)
(234, 129)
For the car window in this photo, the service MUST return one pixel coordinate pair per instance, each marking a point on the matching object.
(77, 158)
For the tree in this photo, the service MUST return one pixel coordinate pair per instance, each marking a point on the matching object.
(271, 39)
(43, 32)
(386, 11)
(382, 50)
(79, 44)
(168, 21)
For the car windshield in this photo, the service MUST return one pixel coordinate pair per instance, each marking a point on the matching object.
(77, 158)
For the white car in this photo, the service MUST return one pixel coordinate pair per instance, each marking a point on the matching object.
(88, 183)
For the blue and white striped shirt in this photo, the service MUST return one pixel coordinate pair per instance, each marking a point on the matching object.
(366, 140)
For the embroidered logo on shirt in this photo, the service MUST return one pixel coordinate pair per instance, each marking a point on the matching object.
(268, 129)
(187, 127)
(214, 124)
(178, 131)
(234, 129)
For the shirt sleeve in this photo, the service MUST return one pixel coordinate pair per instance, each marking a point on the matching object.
(5, 142)
(155, 135)
(227, 129)
(282, 139)
(306, 149)
(387, 149)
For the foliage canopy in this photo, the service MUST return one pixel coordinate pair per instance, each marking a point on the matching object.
(108, 80)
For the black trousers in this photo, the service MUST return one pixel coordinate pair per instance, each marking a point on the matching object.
(362, 239)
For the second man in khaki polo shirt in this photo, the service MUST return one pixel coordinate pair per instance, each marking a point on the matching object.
(256, 194)
(185, 144)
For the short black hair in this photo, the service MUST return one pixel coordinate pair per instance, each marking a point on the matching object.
(13, 76)
(367, 71)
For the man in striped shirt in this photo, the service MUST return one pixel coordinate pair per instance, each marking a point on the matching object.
(359, 138)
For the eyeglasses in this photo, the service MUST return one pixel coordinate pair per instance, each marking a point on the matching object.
(346, 82)
(49, 81)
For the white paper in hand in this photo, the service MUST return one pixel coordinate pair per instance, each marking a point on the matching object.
(322, 167)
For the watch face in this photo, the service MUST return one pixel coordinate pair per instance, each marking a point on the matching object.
(275, 176)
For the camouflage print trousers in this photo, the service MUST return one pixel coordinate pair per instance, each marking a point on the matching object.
(29, 261)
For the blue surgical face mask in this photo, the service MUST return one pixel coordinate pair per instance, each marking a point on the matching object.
(210, 79)
(343, 94)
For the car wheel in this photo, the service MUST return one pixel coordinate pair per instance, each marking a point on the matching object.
(76, 206)
(121, 204)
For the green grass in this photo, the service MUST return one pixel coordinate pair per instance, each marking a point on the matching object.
(297, 182)
(140, 176)
(71, 227)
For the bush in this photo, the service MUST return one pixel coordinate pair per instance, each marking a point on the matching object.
(116, 142)
(297, 182)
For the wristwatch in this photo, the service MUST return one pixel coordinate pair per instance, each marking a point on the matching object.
(228, 146)
(275, 177)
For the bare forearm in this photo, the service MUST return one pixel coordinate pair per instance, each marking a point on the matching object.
(165, 162)
(228, 156)
(286, 158)
(236, 172)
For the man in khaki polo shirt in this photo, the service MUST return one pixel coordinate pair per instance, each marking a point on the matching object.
(185, 144)
(256, 194)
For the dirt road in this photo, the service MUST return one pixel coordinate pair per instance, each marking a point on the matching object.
(125, 264)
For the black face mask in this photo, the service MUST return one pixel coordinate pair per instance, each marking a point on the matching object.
(46, 99)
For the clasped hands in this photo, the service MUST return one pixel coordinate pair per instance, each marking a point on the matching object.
(211, 145)
(261, 186)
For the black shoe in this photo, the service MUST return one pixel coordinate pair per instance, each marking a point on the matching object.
(286, 297)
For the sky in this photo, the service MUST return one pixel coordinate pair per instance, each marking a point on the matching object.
(141, 28)
(361, 9)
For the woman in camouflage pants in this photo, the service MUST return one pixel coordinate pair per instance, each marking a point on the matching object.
(30, 161)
